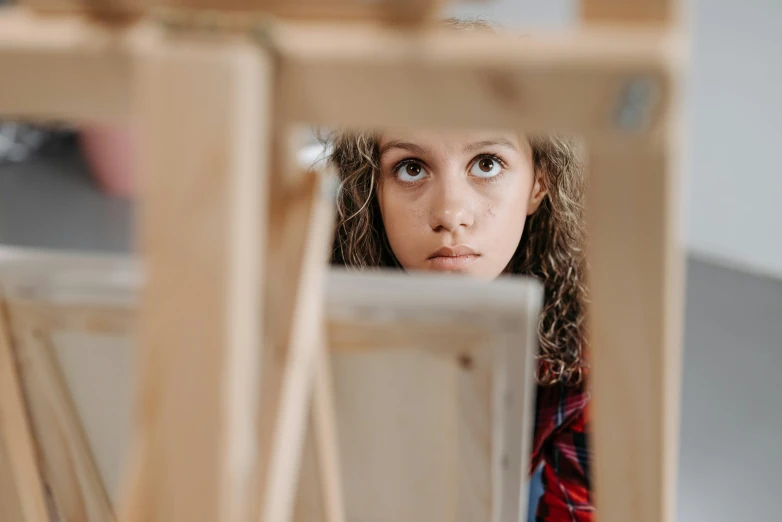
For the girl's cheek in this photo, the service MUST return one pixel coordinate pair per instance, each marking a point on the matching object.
(419, 214)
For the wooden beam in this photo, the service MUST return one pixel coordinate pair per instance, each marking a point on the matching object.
(75, 69)
(21, 486)
(487, 384)
(303, 215)
(631, 12)
(636, 257)
(392, 10)
(204, 108)
(576, 83)
(323, 423)
(68, 68)
(69, 466)
(473, 383)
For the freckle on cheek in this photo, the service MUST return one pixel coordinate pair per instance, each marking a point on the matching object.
(419, 213)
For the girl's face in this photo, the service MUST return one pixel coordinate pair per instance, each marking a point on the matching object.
(456, 202)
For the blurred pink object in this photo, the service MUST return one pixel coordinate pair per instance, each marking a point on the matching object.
(111, 154)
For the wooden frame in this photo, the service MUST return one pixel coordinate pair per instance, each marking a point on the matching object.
(618, 89)
(21, 488)
(584, 75)
(405, 11)
(484, 366)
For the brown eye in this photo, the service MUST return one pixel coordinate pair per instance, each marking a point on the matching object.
(486, 167)
(410, 171)
(486, 164)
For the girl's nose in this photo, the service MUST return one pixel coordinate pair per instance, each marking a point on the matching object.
(451, 207)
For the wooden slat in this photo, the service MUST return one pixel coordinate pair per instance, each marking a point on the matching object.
(69, 467)
(203, 107)
(94, 319)
(630, 12)
(320, 493)
(295, 351)
(326, 435)
(367, 76)
(485, 386)
(477, 380)
(66, 68)
(21, 487)
(97, 371)
(399, 10)
(515, 400)
(636, 260)
(393, 409)
(10, 500)
(74, 69)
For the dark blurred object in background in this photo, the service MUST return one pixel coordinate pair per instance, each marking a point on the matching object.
(18, 141)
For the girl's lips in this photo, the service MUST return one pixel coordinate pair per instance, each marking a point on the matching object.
(454, 251)
(456, 262)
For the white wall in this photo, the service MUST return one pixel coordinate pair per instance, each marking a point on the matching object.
(735, 184)
(733, 192)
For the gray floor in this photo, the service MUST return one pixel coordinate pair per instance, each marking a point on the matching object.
(50, 201)
(731, 462)
(731, 452)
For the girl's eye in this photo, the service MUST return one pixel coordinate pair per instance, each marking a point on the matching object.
(486, 167)
(410, 171)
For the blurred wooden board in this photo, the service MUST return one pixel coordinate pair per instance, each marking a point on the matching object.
(74, 68)
(429, 429)
(631, 12)
(66, 68)
(80, 412)
(636, 253)
(21, 484)
(575, 82)
(391, 10)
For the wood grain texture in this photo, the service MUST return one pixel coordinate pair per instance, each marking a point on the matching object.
(636, 280)
(21, 486)
(324, 419)
(320, 495)
(310, 500)
(344, 74)
(98, 372)
(10, 500)
(415, 412)
(394, 409)
(69, 467)
(390, 10)
(571, 83)
(635, 12)
(202, 106)
(297, 270)
(69, 68)
(513, 410)
(479, 385)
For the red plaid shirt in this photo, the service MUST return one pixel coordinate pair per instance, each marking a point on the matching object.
(561, 443)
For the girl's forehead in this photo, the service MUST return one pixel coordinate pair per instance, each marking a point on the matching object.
(455, 139)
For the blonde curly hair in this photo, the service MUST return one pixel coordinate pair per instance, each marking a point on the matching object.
(551, 249)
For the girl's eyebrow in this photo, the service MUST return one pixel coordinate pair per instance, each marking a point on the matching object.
(404, 145)
(500, 142)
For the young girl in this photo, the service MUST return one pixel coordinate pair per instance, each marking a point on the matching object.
(485, 204)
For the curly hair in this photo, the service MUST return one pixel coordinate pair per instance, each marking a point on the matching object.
(551, 249)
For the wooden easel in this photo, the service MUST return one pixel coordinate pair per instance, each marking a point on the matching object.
(433, 389)
(215, 94)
